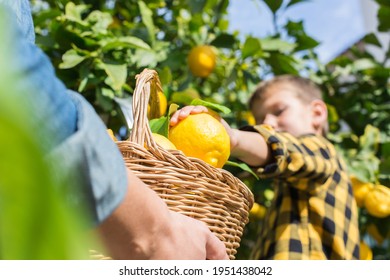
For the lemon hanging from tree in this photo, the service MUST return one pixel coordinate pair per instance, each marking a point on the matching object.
(201, 61)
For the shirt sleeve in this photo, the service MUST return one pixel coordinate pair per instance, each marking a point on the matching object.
(91, 164)
(307, 161)
(87, 164)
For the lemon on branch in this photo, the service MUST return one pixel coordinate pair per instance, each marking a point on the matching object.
(360, 190)
(377, 201)
(201, 60)
(365, 251)
(257, 211)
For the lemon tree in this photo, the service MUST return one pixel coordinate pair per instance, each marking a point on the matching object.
(97, 48)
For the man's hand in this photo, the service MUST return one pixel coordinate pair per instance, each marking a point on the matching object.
(143, 227)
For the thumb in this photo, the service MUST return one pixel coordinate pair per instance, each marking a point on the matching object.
(215, 248)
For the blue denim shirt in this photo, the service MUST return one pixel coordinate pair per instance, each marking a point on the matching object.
(78, 137)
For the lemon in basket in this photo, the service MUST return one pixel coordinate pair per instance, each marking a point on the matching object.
(202, 136)
(163, 141)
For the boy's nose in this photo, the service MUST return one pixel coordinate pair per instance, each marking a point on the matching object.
(270, 120)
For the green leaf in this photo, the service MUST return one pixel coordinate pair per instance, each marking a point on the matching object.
(185, 97)
(149, 58)
(306, 42)
(45, 15)
(294, 2)
(165, 76)
(123, 42)
(70, 59)
(224, 40)
(363, 64)
(196, 6)
(372, 39)
(82, 84)
(172, 109)
(383, 2)
(243, 166)
(370, 140)
(160, 125)
(147, 19)
(251, 47)
(271, 44)
(99, 21)
(117, 74)
(274, 5)
(361, 170)
(73, 12)
(213, 106)
(383, 17)
(282, 64)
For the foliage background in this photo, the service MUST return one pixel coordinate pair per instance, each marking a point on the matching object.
(98, 47)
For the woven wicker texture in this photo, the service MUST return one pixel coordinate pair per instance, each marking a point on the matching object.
(187, 185)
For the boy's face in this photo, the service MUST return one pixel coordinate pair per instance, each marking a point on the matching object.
(280, 108)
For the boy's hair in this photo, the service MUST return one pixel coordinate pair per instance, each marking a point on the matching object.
(306, 90)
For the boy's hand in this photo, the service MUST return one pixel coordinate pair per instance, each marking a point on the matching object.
(185, 112)
(189, 110)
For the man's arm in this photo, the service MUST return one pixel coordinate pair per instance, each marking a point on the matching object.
(143, 227)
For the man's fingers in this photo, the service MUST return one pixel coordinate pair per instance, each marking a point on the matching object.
(215, 248)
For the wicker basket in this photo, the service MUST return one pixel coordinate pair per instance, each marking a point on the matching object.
(187, 185)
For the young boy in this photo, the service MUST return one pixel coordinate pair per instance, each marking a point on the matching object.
(313, 214)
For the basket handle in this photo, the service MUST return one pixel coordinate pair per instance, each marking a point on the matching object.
(147, 86)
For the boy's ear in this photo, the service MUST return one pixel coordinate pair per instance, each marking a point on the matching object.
(320, 114)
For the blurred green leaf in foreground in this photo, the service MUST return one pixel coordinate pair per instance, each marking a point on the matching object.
(35, 221)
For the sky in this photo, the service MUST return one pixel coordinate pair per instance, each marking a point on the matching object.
(335, 23)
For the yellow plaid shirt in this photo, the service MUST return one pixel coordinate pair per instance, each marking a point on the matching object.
(313, 214)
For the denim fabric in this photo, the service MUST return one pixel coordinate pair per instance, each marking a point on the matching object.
(78, 138)
(92, 151)
(21, 10)
(43, 92)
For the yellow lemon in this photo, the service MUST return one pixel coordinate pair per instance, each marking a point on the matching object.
(163, 105)
(377, 201)
(257, 211)
(360, 190)
(202, 136)
(163, 141)
(365, 251)
(201, 60)
(112, 136)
